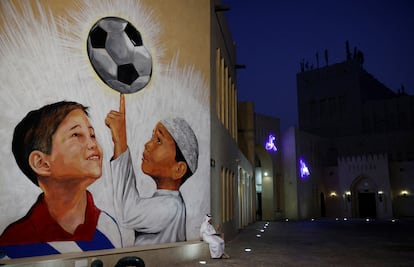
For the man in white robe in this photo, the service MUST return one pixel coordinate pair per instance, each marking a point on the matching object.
(215, 243)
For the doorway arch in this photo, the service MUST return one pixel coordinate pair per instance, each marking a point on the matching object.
(265, 184)
(364, 201)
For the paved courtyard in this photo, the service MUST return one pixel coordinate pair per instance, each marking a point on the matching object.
(326, 242)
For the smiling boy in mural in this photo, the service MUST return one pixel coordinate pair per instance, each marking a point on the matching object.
(170, 157)
(56, 148)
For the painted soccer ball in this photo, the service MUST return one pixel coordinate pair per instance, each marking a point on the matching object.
(118, 55)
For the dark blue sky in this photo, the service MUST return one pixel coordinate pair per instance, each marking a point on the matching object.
(273, 37)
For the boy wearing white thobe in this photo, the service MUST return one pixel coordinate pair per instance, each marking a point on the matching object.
(169, 157)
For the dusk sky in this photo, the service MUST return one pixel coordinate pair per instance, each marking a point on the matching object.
(273, 37)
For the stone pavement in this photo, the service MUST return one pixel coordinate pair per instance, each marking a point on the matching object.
(325, 242)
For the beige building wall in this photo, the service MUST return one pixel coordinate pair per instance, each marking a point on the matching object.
(232, 179)
(246, 131)
(365, 174)
(290, 173)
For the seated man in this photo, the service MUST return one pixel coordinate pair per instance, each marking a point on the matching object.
(215, 243)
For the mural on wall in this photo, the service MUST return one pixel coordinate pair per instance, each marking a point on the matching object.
(105, 140)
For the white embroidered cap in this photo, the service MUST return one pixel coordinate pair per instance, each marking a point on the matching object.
(185, 138)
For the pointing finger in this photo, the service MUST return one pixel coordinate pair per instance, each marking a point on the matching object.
(122, 103)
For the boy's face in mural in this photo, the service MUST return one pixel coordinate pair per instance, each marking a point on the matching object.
(76, 155)
(158, 159)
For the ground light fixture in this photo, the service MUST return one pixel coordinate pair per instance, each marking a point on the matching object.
(202, 262)
(247, 249)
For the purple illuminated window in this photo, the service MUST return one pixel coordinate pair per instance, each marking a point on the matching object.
(304, 170)
(270, 143)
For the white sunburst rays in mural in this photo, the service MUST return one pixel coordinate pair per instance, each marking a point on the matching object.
(78, 23)
(75, 27)
(28, 54)
(191, 94)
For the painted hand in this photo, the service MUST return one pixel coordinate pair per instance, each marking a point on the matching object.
(115, 120)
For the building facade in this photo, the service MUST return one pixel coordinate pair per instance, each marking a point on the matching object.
(357, 137)
(232, 177)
